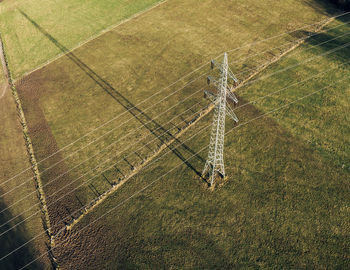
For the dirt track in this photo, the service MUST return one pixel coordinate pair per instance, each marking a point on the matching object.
(5, 70)
(3, 90)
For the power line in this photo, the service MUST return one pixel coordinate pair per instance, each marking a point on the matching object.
(241, 106)
(141, 127)
(147, 186)
(148, 98)
(104, 148)
(282, 89)
(84, 183)
(337, 48)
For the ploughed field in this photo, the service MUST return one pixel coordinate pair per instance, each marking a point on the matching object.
(111, 76)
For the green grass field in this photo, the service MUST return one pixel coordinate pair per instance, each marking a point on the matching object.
(285, 203)
(71, 22)
(109, 75)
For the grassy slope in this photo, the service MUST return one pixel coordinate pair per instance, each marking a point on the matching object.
(286, 201)
(62, 102)
(14, 159)
(71, 22)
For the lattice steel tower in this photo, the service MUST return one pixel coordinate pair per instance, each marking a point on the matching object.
(215, 161)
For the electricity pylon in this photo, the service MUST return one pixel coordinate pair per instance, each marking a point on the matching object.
(215, 161)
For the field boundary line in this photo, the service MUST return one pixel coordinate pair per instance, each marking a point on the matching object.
(105, 195)
(28, 143)
(4, 68)
(194, 120)
(93, 200)
(269, 112)
(4, 89)
(182, 143)
(91, 131)
(177, 166)
(91, 38)
(166, 131)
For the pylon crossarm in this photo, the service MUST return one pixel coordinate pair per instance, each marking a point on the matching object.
(212, 97)
(231, 75)
(212, 80)
(230, 113)
(231, 96)
(221, 68)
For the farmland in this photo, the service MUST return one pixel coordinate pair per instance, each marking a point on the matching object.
(285, 202)
(124, 110)
(107, 77)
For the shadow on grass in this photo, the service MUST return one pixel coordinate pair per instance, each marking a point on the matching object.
(326, 42)
(154, 127)
(327, 7)
(158, 251)
(12, 240)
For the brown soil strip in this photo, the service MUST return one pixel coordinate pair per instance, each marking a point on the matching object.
(60, 203)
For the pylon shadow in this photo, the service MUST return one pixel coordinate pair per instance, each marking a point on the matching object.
(154, 127)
